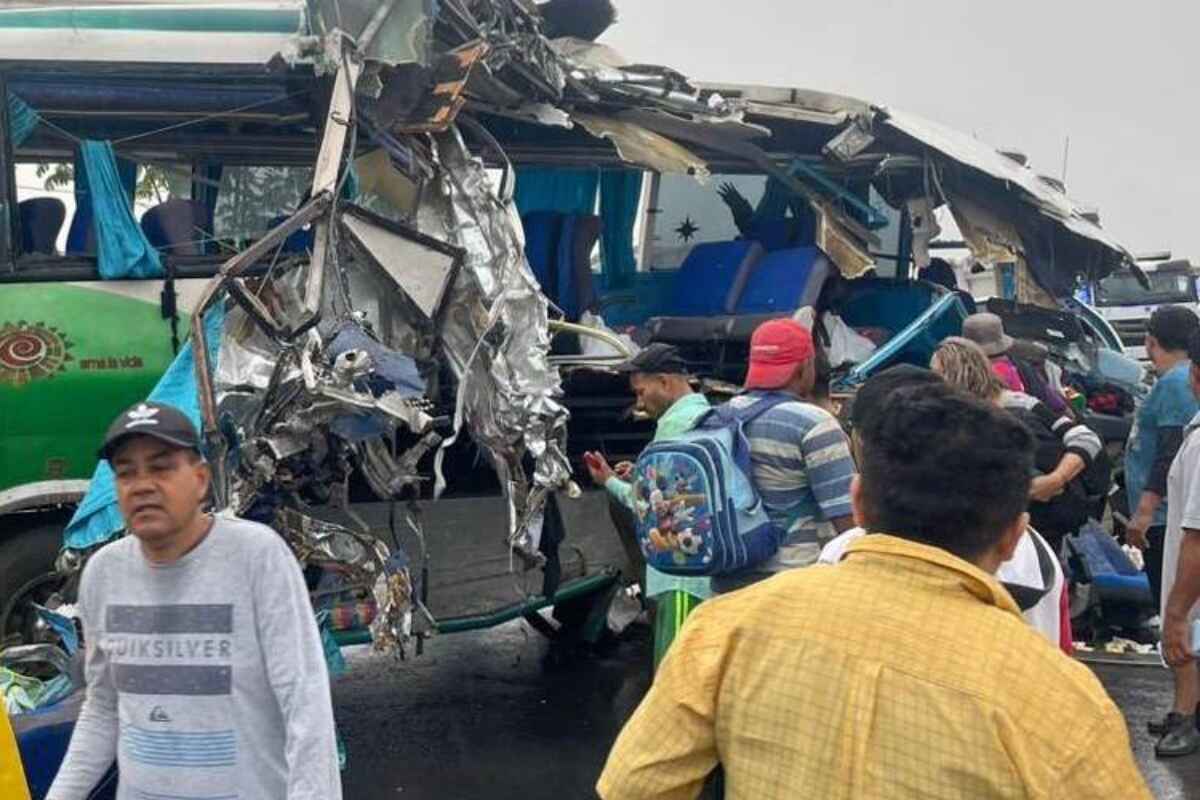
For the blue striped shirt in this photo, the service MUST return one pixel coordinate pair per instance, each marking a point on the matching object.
(802, 469)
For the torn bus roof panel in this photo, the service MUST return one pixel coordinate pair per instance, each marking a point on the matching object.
(1062, 238)
(638, 145)
(985, 158)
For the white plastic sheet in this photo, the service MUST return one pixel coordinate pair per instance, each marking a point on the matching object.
(846, 345)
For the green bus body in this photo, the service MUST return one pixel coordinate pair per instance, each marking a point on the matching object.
(72, 356)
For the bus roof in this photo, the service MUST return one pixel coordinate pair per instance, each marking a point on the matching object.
(178, 31)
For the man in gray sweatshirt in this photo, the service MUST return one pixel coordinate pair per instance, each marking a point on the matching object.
(206, 678)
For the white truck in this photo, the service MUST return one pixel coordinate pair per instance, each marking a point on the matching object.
(1127, 304)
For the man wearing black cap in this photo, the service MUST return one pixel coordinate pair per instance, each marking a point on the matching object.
(659, 379)
(205, 671)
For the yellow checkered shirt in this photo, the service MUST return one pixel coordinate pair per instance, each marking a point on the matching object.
(901, 672)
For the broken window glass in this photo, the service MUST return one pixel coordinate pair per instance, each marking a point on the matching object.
(252, 198)
(688, 213)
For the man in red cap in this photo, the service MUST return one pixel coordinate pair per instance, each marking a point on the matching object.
(800, 456)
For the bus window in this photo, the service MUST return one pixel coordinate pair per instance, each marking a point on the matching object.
(687, 213)
(51, 184)
(252, 199)
(158, 183)
(45, 222)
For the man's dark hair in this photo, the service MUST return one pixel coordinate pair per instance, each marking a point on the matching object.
(944, 469)
(1173, 326)
(1193, 348)
(874, 395)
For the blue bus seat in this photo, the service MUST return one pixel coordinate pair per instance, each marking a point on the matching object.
(1113, 576)
(178, 226)
(784, 280)
(706, 278)
(41, 221)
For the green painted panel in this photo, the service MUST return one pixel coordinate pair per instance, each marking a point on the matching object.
(71, 358)
(180, 20)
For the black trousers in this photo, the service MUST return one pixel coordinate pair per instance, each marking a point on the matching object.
(1154, 561)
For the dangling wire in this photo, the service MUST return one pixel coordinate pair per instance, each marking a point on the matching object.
(210, 117)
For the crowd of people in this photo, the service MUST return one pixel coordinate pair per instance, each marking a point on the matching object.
(930, 652)
(906, 636)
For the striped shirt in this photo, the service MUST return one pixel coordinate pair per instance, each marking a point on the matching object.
(802, 469)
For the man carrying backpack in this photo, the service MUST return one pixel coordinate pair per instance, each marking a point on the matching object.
(659, 380)
(800, 458)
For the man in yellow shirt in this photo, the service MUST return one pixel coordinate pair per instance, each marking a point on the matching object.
(904, 671)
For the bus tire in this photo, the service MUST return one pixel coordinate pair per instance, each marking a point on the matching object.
(26, 562)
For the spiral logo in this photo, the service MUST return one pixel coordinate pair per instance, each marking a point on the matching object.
(29, 351)
(21, 350)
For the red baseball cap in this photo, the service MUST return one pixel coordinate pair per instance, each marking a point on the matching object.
(776, 349)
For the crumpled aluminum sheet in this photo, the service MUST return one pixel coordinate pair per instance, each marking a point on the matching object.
(392, 626)
(364, 562)
(496, 339)
(248, 356)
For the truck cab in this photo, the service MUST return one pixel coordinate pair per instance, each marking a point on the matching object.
(1127, 303)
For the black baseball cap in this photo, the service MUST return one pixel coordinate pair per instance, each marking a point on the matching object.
(158, 420)
(656, 358)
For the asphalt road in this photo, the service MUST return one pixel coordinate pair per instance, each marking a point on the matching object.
(479, 715)
(1143, 693)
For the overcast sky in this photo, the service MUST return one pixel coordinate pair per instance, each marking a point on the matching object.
(1119, 78)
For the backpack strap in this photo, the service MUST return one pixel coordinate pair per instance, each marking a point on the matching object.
(727, 416)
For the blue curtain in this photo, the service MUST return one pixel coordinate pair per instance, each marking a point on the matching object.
(567, 191)
(620, 193)
(121, 247)
(22, 119)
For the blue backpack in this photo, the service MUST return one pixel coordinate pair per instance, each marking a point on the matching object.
(697, 510)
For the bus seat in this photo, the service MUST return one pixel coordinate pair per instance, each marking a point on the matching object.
(41, 221)
(784, 280)
(81, 238)
(704, 287)
(706, 278)
(178, 226)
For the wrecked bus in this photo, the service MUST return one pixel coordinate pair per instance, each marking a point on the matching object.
(394, 249)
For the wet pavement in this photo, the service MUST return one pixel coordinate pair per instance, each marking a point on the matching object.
(1143, 693)
(481, 716)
